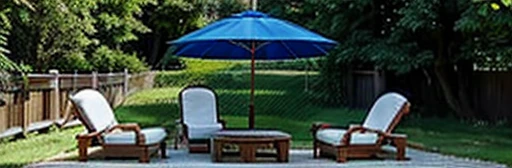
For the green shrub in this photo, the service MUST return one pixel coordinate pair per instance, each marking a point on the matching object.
(299, 64)
(105, 59)
(72, 62)
(196, 72)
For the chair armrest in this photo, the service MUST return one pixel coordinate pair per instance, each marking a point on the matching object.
(131, 127)
(127, 127)
(346, 137)
(88, 135)
(223, 122)
(395, 136)
(321, 125)
(354, 125)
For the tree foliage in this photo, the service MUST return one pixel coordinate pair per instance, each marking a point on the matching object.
(169, 20)
(444, 38)
(64, 34)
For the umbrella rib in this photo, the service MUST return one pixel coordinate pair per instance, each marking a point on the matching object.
(240, 45)
(321, 49)
(260, 46)
(289, 50)
(209, 48)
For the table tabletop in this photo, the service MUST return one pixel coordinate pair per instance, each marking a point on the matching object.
(252, 133)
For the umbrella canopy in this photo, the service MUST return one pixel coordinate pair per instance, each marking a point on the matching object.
(252, 35)
(231, 38)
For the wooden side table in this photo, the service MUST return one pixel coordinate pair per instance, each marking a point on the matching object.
(248, 141)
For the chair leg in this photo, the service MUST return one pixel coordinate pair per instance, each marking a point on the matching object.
(144, 157)
(315, 149)
(163, 149)
(400, 144)
(341, 155)
(83, 144)
(176, 142)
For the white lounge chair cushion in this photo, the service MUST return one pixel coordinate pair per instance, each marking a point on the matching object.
(334, 136)
(199, 106)
(151, 135)
(203, 131)
(94, 109)
(384, 111)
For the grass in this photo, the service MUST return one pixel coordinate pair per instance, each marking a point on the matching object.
(37, 147)
(281, 103)
(450, 136)
(446, 136)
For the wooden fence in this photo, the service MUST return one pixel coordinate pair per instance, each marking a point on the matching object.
(363, 87)
(492, 94)
(42, 100)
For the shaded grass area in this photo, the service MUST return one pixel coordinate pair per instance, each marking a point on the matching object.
(450, 136)
(37, 147)
(282, 103)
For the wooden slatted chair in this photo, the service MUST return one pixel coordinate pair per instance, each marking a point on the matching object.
(361, 141)
(199, 117)
(117, 140)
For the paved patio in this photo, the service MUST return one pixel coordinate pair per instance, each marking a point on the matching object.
(298, 158)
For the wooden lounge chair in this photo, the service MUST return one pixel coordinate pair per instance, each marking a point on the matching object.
(117, 140)
(366, 140)
(199, 117)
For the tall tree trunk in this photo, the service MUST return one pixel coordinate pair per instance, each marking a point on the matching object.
(155, 51)
(464, 70)
(453, 82)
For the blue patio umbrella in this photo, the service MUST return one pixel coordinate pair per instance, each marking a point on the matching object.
(252, 35)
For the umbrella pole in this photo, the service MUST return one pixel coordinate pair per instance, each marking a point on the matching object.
(251, 104)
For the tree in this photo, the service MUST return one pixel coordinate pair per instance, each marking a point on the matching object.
(6, 64)
(169, 20)
(445, 38)
(64, 34)
(117, 21)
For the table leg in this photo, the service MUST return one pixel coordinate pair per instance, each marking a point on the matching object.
(282, 148)
(217, 151)
(247, 152)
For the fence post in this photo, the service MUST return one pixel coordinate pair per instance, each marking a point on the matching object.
(55, 101)
(94, 80)
(125, 83)
(74, 81)
(24, 100)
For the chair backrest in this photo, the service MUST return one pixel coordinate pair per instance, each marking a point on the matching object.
(94, 110)
(386, 111)
(198, 105)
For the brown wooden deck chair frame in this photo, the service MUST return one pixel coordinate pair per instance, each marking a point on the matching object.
(139, 149)
(346, 150)
(195, 145)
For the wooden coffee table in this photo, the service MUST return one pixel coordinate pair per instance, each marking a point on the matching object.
(248, 141)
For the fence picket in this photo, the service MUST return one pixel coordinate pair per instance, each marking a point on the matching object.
(46, 99)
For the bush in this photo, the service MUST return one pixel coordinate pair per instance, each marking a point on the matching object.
(72, 62)
(105, 59)
(171, 63)
(300, 65)
(196, 72)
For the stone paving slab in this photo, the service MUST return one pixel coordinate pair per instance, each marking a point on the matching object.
(298, 158)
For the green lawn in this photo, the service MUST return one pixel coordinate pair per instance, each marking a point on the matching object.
(281, 103)
(37, 147)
